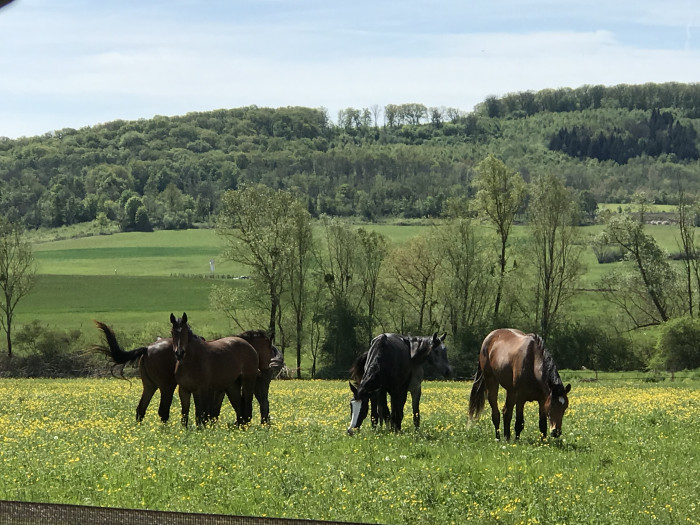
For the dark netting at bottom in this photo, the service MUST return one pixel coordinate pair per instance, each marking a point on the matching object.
(23, 513)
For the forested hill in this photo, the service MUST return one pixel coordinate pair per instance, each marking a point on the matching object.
(400, 160)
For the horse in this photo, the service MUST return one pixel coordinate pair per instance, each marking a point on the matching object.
(270, 362)
(393, 365)
(521, 364)
(207, 368)
(157, 362)
(379, 408)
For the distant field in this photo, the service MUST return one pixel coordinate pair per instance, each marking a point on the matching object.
(129, 279)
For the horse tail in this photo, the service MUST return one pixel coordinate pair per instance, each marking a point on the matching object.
(357, 370)
(114, 352)
(477, 398)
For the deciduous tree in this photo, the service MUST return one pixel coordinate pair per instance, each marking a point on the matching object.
(17, 274)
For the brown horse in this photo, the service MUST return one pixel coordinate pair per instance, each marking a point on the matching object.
(157, 362)
(520, 364)
(205, 369)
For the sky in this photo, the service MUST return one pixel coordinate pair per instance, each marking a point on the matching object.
(78, 63)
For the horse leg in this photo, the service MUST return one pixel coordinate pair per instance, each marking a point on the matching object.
(166, 399)
(262, 393)
(234, 396)
(149, 388)
(185, 404)
(415, 401)
(543, 421)
(383, 414)
(495, 413)
(216, 407)
(374, 410)
(508, 414)
(248, 392)
(519, 418)
(398, 400)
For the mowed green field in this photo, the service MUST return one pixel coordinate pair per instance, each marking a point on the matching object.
(136, 279)
(628, 454)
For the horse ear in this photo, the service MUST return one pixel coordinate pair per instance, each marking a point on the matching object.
(172, 319)
(442, 337)
(435, 338)
(568, 388)
(184, 317)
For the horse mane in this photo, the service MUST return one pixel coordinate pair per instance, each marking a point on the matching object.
(357, 370)
(549, 367)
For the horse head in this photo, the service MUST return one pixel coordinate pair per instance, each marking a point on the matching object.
(358, 409)
(433, 350)
(180, 332)
(556, 404)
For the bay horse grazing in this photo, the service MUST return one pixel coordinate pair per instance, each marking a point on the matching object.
(519, 363)
(393, 365)
(205, 369)
(156, 364)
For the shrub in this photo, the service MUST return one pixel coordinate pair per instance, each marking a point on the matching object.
(678, 346)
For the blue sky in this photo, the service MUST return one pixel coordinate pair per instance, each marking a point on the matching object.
(77, 63)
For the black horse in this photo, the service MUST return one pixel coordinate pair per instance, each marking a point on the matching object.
(393, 365)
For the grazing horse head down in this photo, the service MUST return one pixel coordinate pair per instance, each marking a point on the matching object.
(521, 364)
(393, 365)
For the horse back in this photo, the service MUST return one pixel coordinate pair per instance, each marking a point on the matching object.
(232, 353)
(262, 345)
(514, 360)
(158, 363)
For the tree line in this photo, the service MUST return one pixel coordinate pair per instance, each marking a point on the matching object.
(400, 160)
(326, 287)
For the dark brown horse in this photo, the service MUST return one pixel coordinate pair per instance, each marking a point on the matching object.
(519, 363)
(205, 369)
(157, 361)
(156, 364)
(391, 364)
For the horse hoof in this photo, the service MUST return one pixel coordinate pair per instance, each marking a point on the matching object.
(351, 431)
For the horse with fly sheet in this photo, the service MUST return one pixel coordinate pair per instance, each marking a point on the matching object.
(393, 365)
(205, 369)
(156, 363)
(521, 364)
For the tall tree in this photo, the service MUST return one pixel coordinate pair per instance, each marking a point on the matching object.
(298, 270)
(469, 283)
(413, 268)
(17, 274)
(258, 225)
(649, 292)
(689, 249)
(552, 215)
(500, 194)
(373, 250)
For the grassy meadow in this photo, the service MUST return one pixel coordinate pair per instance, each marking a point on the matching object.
(628, 450)
(627, 454)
